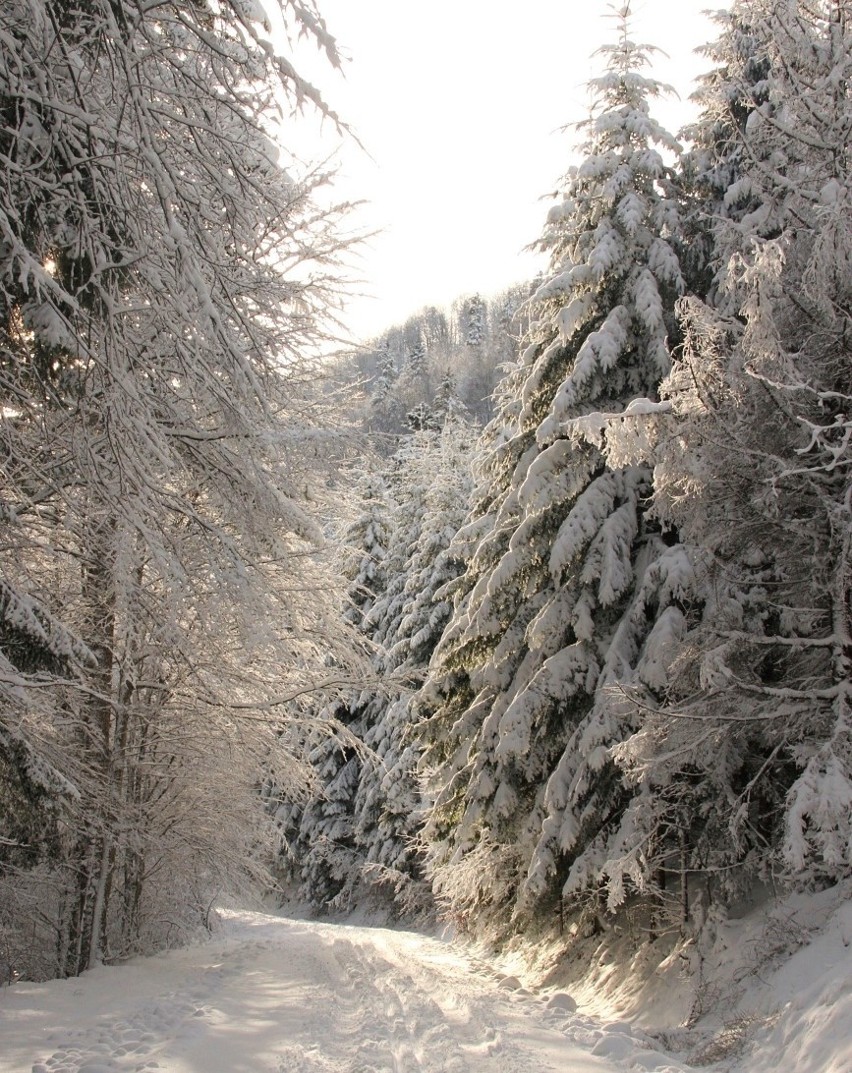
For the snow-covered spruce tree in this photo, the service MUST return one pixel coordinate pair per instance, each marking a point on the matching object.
(478, 546)
(481, 345)
(416, 371)
(711, 171)
(434, 488)
(319, 858)
(365, 548)
(754, 467)
(678, 826)
(155, 309)
(320, 863)
(356, 832)
(568, 579)
(384, 405)
(473, 321)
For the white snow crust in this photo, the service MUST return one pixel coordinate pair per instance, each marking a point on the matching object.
(275, 995)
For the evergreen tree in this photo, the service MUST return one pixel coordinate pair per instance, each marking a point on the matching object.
(417, 365)
(435, 481)
(568, 577)
(753, 741)
(365, 547)
(676, 829)
(385, 375)
(473, 323)
(357, 831)
(713, 178)
(421, 419)
(447, 402)
(319, 855)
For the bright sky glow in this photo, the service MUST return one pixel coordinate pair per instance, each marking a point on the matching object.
(461, 105)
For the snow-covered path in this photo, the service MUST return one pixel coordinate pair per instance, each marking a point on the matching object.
(282, 996)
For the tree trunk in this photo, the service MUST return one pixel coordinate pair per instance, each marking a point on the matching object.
(98, 719)
(684, 879)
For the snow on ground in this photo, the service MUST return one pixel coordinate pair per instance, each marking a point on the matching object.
(272, 995)
(772, 993)
(793, 983)
(768, 990)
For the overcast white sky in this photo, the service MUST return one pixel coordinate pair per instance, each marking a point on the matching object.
(460, 105)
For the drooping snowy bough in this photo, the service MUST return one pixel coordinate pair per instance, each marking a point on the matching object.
(571, 588)
(163, 282)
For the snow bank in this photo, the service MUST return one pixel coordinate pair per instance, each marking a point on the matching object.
(767, 991)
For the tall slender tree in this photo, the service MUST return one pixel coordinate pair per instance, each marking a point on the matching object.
(753, 467)
(568, 577)
(156, 311)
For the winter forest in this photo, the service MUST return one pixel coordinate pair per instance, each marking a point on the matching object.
(532, 614)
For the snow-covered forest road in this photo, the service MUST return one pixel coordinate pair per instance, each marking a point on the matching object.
(273, 995)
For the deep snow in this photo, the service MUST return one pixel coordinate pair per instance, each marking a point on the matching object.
(273, 995)
(767, 990)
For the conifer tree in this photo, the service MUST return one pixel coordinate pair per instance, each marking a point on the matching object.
(357, 830)
(568, 577)
(753, 467)
(474, 321)
(712, 173)
(387, 805)
(417, 364)
(319, 857)
(365, 548)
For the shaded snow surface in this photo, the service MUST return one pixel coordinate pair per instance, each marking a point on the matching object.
(272, 995)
